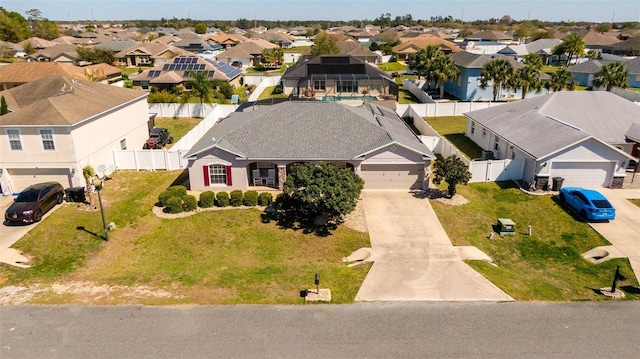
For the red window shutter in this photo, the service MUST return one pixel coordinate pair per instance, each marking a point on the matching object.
(229, 183)
(205, 169)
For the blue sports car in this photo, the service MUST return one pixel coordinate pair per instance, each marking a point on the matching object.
(590, 204)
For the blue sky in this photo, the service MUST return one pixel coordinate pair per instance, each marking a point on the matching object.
(468, 10)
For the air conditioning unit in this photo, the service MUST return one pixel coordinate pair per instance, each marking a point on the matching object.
(487, 155)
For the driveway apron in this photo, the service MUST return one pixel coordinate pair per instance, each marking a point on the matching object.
(414, 259)
(624, 231)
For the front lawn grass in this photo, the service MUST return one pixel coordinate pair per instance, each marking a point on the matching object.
(268, 93)
(406, 97)
(392, 66)
(635, 201)
(213, 257)
(453, 128)
(546, 266)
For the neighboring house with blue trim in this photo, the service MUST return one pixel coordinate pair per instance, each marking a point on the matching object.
(467, 86)
(585, 72)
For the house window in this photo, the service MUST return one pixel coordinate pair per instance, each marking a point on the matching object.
(46, 135)
(484, 133)
(347, 86)
(15, 143)
(496, 145)
(217, 174)
(123, 144)
(473, 127)
(319, 85)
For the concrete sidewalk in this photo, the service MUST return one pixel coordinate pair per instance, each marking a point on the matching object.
(623, 232)
(414, 259)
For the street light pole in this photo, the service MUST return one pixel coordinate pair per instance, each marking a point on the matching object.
(97, 183)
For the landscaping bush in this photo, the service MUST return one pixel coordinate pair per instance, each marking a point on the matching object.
(174, 205)
(222, 199)
(173, 191)
(189, 203)
(207, 199)
(265, 198)
(236, 197)
(250, 198)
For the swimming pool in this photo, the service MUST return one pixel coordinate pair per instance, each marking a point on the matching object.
(341, 98)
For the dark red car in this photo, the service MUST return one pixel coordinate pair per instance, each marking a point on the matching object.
(34, 201)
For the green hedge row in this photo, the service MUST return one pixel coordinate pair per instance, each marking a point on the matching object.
(176, 200)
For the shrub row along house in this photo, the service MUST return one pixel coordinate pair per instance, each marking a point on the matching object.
(256, 147)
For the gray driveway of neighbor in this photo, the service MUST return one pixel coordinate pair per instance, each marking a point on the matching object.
(414, 259)
(623, 232)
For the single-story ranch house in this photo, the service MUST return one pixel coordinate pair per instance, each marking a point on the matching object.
(257, 148)
(589, 138)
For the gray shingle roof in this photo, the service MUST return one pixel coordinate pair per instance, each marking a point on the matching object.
(471, 60)
(544, 124)
(309, 130)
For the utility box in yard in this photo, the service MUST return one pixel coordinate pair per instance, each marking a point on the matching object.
(506, 227)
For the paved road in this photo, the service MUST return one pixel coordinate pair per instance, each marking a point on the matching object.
(413, 256)
(362, 330)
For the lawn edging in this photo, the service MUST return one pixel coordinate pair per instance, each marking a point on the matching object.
(159, 211)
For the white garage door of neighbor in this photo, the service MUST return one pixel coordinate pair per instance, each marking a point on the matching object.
(583, 174)
(21, 178)
(392, 176)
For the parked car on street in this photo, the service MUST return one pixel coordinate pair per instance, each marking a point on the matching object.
(590, 204)
(33, 202)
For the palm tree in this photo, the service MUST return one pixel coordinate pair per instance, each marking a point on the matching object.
(420, 63)
(526, 78)
(610, 75)
(534, 60)
(200, 86)
(572, 45)
(496, 73)
(560, 80)
(432, 52)
(444, 68)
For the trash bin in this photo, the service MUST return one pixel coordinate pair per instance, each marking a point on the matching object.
(75, 194)
(557, 183)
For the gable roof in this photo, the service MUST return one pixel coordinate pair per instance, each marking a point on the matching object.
(311, 130)
(544, 124)
(412, 45)
(247, 49)
(62, 101)
(594, 38)
(153, 49)
(490, 35)
(56, 51)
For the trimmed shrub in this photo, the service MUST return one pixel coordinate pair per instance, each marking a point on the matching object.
(235, 198)
(265, 198)
(250, 198)
(173, 191)
(174, 205)
(207, 199)
(189, 203)
(222, 199)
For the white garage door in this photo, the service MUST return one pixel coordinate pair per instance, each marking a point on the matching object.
(392, 176)
(21, 178)
(583, 174)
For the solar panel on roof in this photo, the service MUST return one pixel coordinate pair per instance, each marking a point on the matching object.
(194, 60)
(182, 60)
(166, 67)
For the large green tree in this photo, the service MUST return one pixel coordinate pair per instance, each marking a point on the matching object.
(96, 55)
(13, 27)
(497, 74)
(613, 74)
(319, 195)
(451, 170)
(324, 45)
(3, 106)
(201, 28)
(273, 57)
(533, 60)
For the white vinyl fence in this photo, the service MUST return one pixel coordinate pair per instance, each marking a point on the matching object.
(266, 82)
(171, 159)
(177, 110)
(629, 95)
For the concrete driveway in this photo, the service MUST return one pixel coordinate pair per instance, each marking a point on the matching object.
(414, 259)
(10, 234)
(623, 232)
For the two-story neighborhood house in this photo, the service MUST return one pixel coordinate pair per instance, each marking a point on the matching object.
(58, 125)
